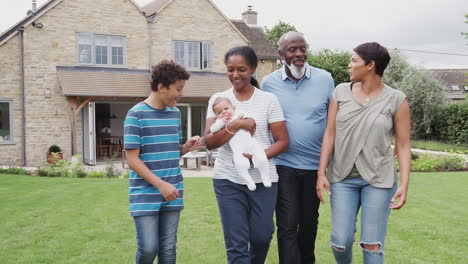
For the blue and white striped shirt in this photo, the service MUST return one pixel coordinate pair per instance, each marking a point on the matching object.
(158, 135)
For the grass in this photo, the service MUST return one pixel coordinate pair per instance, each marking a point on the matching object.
(438, 146)
(69, 220)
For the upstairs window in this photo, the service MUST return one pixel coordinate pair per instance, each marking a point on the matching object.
(100, 50)
(193, 55)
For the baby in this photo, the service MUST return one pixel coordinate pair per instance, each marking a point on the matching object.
(242, 142)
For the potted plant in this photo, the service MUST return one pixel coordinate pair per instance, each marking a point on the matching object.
(54, 154)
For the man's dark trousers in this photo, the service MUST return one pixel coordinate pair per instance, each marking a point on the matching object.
(296, 215)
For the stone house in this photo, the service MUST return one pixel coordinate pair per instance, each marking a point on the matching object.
(70, 70)
(455, 81)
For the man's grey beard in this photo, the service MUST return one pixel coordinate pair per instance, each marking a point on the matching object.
(297, 72)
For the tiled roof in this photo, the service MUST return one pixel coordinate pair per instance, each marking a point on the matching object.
(452, 77)
(258, 40)
(111, 82)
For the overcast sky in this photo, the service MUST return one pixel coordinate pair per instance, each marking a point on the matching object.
(426, 25)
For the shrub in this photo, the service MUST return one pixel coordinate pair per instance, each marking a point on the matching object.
(437, 163)
(426, 163)
(54, 149)
(452, 125)
(16, 171)
(77, 167)
(452, 163)
(110, 170)
(96, 174)
(52, 171)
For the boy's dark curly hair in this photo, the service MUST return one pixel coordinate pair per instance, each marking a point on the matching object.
(167, 72)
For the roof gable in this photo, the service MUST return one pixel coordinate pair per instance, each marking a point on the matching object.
(30, 18)
(158, 6)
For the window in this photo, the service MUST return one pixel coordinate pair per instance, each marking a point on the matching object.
(102, 50)
(465, 87)
(193, 55)
(6, 122)
(455, 87)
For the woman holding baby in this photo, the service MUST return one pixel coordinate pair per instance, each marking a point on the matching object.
(246, 214)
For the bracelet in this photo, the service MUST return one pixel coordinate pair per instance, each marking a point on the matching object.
(228, 130)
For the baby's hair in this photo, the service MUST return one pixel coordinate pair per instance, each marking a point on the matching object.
(218, 100)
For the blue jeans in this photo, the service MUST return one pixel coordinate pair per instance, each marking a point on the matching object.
(247, 219)
(348, 196)
(157, 236)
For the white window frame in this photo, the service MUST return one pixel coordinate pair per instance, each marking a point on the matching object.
(201, 55)
(10, 104)
(109, 50)
(455, 87)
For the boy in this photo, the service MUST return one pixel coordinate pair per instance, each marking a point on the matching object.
(242, 142)
(153, 146)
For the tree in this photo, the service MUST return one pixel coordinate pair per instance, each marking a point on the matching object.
(275, 33)
(335, 62)
(426, 95)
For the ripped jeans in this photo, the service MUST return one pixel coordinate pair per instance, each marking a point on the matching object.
(348, 196)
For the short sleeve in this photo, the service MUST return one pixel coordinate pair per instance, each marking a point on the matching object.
(339, 91)
(209, 111)
(335, 95)
(275, 112)
(399, 98)
(132, 131)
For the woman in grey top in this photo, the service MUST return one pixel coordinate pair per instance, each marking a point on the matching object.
(363, 116)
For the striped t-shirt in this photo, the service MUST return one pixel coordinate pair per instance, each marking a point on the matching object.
(158, 135)
(264, 109)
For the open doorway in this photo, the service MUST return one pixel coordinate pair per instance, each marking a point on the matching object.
(103, 130)
(110, 129)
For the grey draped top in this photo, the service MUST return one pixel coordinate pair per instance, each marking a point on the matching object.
(364, 135)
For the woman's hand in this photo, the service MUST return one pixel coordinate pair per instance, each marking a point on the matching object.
(322, 182)
(247, 124)
(401, 193)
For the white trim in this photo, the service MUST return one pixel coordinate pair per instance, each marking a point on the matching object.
(109, 50)
(200, 57)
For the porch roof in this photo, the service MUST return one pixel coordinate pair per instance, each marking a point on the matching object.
(111, 82)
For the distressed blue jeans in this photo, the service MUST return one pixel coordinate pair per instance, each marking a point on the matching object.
(157, 236)
(348, 196)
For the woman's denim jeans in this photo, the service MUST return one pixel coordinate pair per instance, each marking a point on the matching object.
(347, 197)
(157, 236)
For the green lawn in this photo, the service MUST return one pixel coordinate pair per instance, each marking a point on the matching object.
(438, 146)
(63, 220)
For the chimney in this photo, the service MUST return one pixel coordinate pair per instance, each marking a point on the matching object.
(34, 6)
(250, 16)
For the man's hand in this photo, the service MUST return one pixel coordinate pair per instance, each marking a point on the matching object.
(168, 191)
